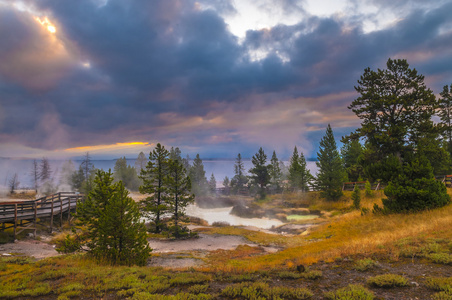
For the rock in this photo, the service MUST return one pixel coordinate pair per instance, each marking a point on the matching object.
(301, 268)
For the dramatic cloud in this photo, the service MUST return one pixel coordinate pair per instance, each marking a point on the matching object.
(200, 74)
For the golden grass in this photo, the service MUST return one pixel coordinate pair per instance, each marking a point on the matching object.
(349, 234)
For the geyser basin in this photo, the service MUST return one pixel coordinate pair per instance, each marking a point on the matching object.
(301, 217)
(222, 214)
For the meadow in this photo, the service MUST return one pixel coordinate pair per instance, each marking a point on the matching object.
(348, 254)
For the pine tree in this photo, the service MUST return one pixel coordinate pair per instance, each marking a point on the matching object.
(213, 184)
(368, 189)
(127, 174)
(445, 114)
(299, 175)
(351, 152)
(178, 195)
(239, 180)
(140, 162)
(35, 174)
(331, 174)
(89, 171)
(113, 230)
(45, 171)
(275, 174)
(356, 197)
(198, 177)
(154, 178)
(259, 173)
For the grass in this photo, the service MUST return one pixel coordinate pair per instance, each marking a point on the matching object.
(351, 292)
(248, 269)
(388, 281)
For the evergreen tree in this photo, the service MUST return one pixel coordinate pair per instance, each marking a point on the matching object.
(395, 107)
(127, 174)
(45, 172)
(445, 114)
(154, 178)
(89, 171)
(178, 194)
(35, 174)
(331, 173)
(415, 188)
(239, 180)
(275, 174)
(299, 175)
(226, 184)
(175, 153)
(368, 189)
(356, 197)
(259, 173)
(213, 184)
(198, 178)
(351, 152)
(140, 162)
(113, 230)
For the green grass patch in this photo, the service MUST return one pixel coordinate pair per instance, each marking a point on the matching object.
(388, 281)
(351, 292)
(261, 290)
(365, 264)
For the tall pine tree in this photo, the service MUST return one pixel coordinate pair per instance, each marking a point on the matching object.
(154, 178)
(199, 185)
(178, 195)
(299, 175)
(445, 114)
(259, 173)
(331, 174)
(239, 180)
(275, 174)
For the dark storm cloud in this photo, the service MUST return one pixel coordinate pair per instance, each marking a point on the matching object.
(170, 70)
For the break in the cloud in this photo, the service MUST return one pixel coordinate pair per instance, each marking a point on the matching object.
(214, 77)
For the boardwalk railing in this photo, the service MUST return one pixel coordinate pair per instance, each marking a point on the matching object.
(22, 215)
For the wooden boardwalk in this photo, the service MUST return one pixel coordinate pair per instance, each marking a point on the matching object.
(24, 215)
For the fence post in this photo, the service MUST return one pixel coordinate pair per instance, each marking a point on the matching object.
(36, 213)
(61, 209)
(51, 216)
(15, 219)
(69, 211)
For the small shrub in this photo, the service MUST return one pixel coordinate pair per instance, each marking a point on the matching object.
(188, 278)
(439, 283)
(220, 224)
(364, 211)
(442, 296)
(289, 275)
(312, 275)
(365, 264)
(261, 290)
(388, 281)
(198, 289)
(441, 258)
(351, 292)
(356, 197)
(69, 244)
(368, 189)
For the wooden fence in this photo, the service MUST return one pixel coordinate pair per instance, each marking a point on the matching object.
(24, 215)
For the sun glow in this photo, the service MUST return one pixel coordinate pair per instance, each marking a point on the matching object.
(111, 147)
(47, 24)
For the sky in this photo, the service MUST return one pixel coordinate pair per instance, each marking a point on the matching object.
(214, 77)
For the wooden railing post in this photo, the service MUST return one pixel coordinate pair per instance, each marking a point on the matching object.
(36, 214)
(51, 216)
(69, 211)
(15, 220)
(61, 209)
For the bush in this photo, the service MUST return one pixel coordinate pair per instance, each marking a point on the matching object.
(388, 281)
(351, 292)
(368, 189)
(356, 197)
(415, 189)
(365, 264)
(69, 244)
